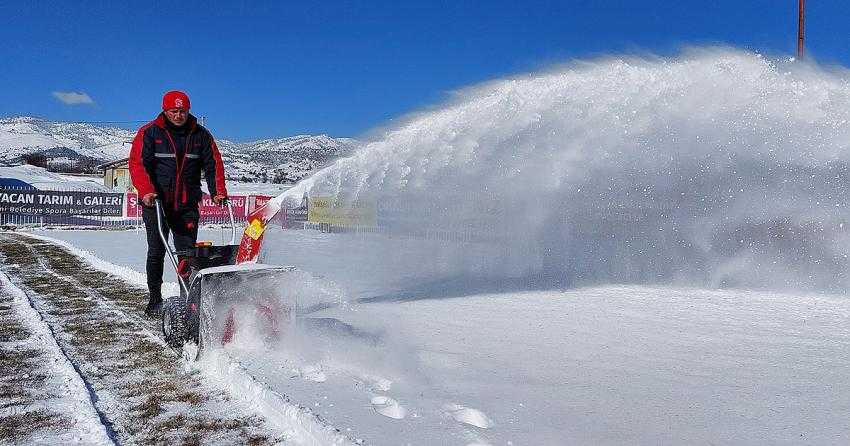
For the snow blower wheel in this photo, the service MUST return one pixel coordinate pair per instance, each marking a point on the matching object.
(175, 328)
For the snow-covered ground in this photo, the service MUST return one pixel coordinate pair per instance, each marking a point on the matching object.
(134, 383)
(633, 206)
(391, 363)
(62, 397)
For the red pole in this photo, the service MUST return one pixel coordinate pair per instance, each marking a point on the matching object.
(801, 29)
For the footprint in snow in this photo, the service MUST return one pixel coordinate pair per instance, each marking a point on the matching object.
(378, 383)
(468, 415)
(372, 383)
(388, 407)
(314, 373)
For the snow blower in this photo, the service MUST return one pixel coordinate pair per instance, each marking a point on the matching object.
(224, 292)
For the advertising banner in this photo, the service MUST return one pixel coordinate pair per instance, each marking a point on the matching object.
(293, 217)
(261, 200)
(209, 209)
(327, 210)
(133, 210)
(257, 201)
(206, 208)
(42, 202)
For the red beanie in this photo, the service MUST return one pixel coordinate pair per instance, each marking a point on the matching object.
(175, 99)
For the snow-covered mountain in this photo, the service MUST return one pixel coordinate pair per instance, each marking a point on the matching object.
(21, 136)
(284, 160)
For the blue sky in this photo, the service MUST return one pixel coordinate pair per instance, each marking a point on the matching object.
(258, 70)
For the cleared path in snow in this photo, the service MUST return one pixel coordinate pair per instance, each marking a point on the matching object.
(137, 384)
(42, 396)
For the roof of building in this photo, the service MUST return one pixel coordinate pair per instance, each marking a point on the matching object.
(116, 163)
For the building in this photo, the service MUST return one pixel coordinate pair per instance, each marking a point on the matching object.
(116, 176)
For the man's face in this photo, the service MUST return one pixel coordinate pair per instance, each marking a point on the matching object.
(177, 116)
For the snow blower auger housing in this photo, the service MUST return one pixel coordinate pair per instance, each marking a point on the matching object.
(219, 296)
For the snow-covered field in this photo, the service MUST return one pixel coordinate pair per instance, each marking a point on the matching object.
(600, 365)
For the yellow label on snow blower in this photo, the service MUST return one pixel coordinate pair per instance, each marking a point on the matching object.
(255, 229)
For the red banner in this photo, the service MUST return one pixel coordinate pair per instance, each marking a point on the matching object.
(257, 201)
(209, 209)
(206, 208)
(132, 205)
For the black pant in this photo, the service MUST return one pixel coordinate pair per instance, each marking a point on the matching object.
(183, 224)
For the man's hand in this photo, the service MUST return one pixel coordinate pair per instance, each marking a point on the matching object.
(219, 199)
(148, 199)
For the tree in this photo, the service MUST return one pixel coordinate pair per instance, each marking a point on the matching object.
(36, 159)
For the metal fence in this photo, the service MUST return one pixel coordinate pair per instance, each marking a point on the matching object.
(24, 220)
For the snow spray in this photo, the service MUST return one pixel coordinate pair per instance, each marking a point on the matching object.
(718, 167)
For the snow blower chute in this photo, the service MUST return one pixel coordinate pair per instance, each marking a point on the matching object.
(224, 293)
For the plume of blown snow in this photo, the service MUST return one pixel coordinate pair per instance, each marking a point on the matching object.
(717, 167)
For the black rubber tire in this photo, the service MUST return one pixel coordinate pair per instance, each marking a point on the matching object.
(175, 330)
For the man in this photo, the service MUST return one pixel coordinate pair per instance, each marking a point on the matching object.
(166, 161)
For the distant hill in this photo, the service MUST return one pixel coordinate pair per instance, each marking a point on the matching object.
(60, 143)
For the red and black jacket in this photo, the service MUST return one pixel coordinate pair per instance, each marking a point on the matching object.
(174, 174)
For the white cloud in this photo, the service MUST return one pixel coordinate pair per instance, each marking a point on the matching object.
(73, 98)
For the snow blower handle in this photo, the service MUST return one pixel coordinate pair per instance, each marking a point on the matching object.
(171, 255)
(232, 220)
